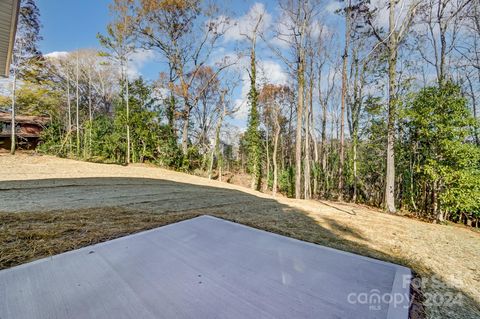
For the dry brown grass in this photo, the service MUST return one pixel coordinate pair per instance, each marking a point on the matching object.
(148, 197)
(28, 236)
(25, 237)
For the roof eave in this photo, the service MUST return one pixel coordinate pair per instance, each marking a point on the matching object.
(11, 37)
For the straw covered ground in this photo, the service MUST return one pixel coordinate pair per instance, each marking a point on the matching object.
(50, 205)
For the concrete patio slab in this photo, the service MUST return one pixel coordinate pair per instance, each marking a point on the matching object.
(205, 268)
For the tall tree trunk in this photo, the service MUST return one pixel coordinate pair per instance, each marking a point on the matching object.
(436, 211)
(308, 118)
(212, 159)
(216, 148)
(443, 53)
(474, 108)
(289, 137)
(298, 135)
(186, 122)
(171, 113)
(128, 115)
(332, 148)
(306, 162)
(172, 103)
(343, 99)
(392, 63)
(274, 156)
(220, 165)
(412, 179)
(315, 150)
(355, 174)
(90, 116)
(14, 92)
(268, 157)
(356, 106)
(323, 137)
(219, 128)
(186, 112)
(301, 54)
(324, 144)
(77, 109)
(254, 136)
(69, 110)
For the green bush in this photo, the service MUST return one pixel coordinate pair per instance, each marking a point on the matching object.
(286, 181)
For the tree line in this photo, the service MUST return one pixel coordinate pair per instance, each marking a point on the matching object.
(381, 111)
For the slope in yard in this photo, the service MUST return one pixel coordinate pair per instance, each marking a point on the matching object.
(49, 205)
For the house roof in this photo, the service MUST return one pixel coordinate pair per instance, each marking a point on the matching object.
(28, 119)
(8, 26)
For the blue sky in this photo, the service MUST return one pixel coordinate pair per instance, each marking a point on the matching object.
(73, 24)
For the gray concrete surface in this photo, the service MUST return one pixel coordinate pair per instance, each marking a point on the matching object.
(204, 268)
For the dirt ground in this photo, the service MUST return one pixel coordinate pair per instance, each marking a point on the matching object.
(49, 205)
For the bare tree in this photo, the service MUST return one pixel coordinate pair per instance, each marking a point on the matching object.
(467, 61)
(308, 117)
(348, 10)
(295, 23)
(120, 42)
(326, 90)
(206, 113)
(276, 101)
(397, 30)
(222, 110)
(77, 98)
(441, 19)
(169, 28)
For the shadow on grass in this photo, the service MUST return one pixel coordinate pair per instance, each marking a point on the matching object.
(45, 217)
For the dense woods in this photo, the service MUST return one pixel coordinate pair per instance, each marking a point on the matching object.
(380, 108)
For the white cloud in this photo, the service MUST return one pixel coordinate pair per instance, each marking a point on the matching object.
(5, 86)
(245, 24)
(382, 11)
(333, 6)
(241, 107)
(56, 54)
(284, 31)
(382, 14)
(161, 93)
(138, 60)
(268, 71)
(220, 56)
(318, 29)
(272, 72)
